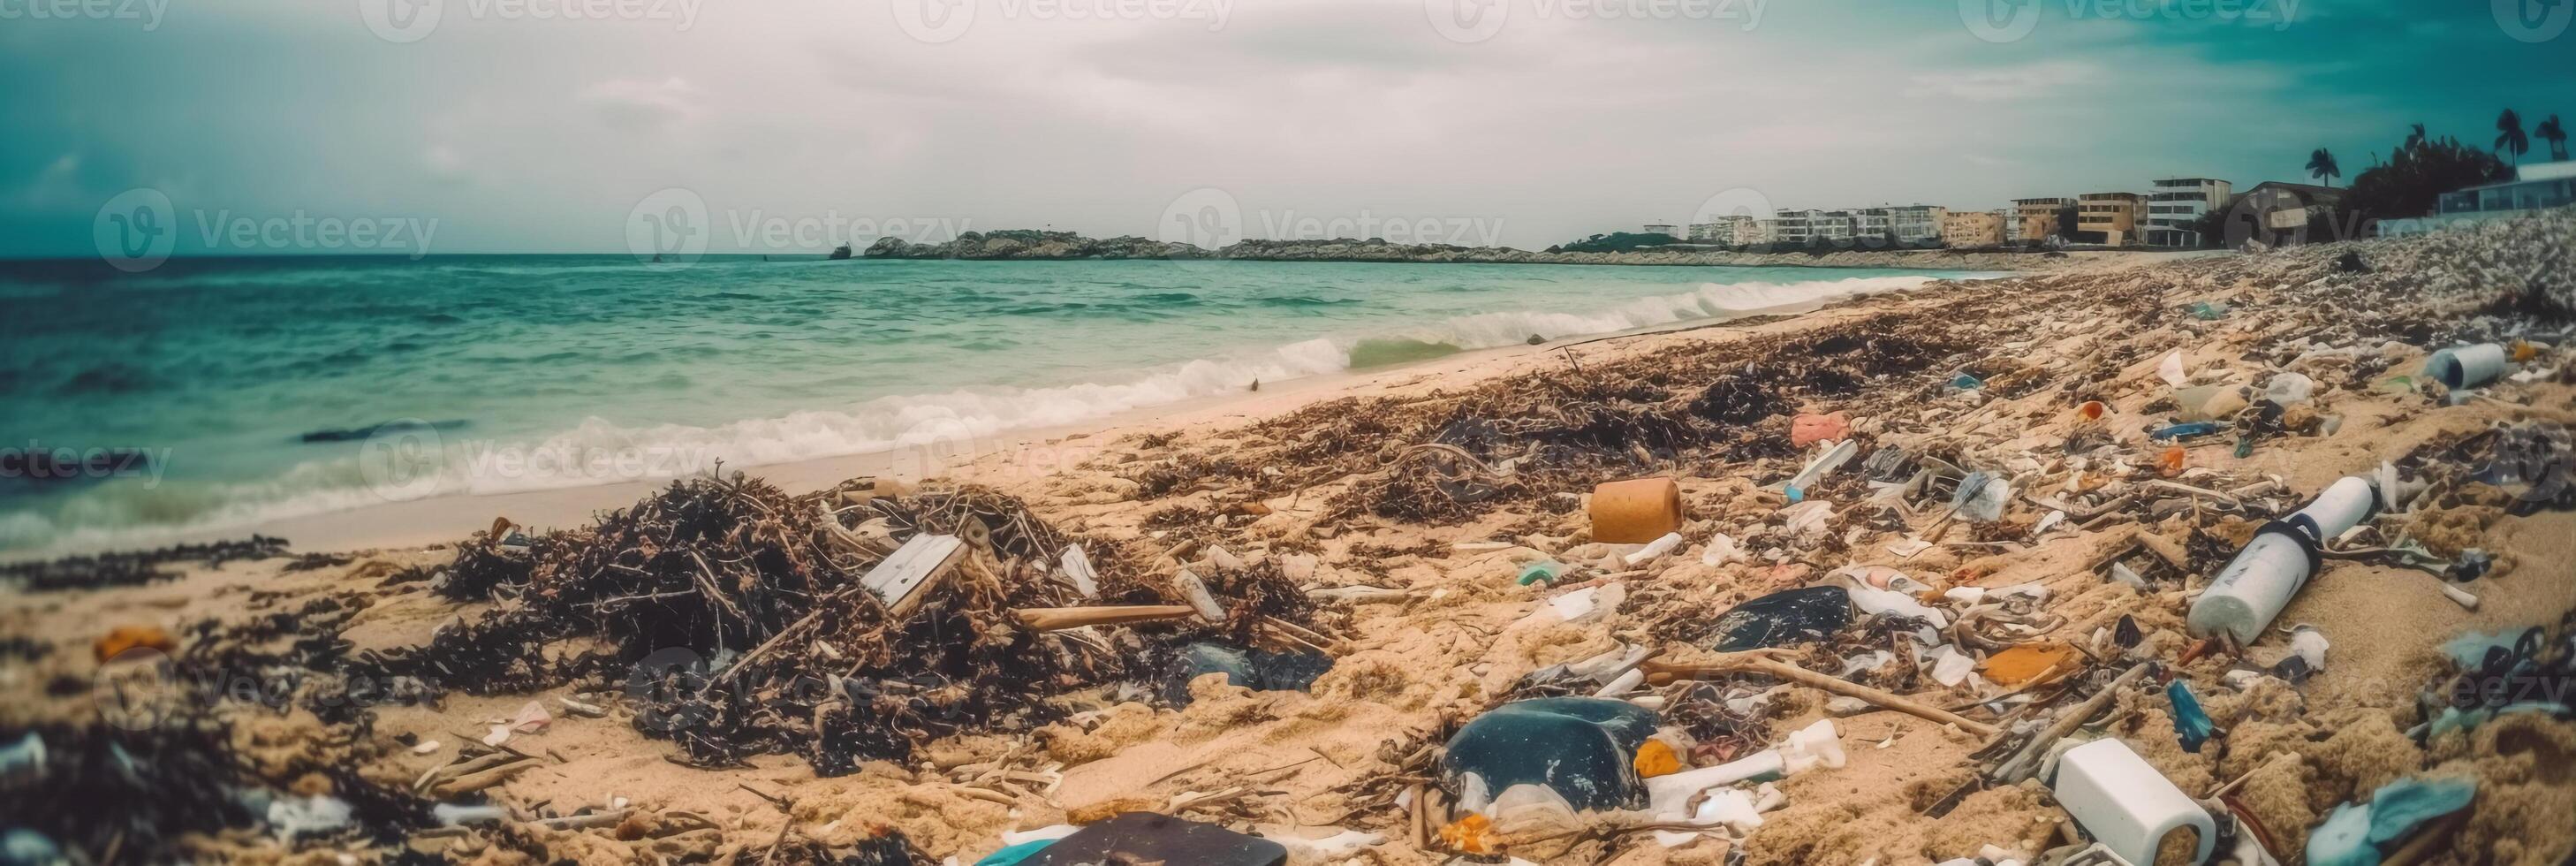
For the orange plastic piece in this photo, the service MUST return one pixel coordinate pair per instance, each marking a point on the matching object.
(1809, 429)
(126, 637)
(2091, 410)
(2022, 664)
(1655, 758)
(1470, 834)
(1635, 511)
(2171, 463)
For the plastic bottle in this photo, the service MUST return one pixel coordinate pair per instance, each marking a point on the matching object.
(2259, 582)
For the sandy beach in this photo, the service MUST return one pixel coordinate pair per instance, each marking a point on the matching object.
(1404, 506)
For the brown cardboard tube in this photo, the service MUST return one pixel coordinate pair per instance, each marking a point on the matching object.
(1635, 511)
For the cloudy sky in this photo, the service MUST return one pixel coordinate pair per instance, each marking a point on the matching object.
(550, 125)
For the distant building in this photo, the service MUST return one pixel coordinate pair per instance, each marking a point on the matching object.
(1669, 231)
(1793, 227)
(1731, 231)
(1916, 225)
(2175, 206)
(1970, 229)
(2280, 214)
(2110, 218)
(2534, 187)
(2035, 220)
(1831, 227)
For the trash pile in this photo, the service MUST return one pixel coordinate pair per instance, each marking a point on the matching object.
(1852, 513)
(844, 626)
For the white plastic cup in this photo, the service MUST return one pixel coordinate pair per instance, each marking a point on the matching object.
(2252, 590)
(2466, 366)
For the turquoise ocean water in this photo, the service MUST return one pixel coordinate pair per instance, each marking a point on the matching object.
(249, 386)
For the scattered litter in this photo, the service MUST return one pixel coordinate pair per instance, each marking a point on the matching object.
(1635, 511)
(2120, 799)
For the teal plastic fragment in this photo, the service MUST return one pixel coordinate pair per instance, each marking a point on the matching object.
(1012, 855)
(1545, 569)
(2190, 722)
(2398, 806)
(2344, 839)
(2470, 649)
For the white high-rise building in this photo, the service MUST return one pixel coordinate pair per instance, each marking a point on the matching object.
(2176, 204)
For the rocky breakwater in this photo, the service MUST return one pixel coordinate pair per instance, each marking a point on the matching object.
(1025, 244)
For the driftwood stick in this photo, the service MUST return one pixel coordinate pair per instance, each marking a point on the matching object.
(2026, 761)
(1659, 672)
(1056, 618)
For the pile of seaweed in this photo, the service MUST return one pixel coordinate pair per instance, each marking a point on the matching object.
(133, 795)
(733, 617)
(133, 568)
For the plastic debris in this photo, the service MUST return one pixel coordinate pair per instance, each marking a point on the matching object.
(290, 817)
(1635, 511)
(1580, 748)
(1982, 496)
(1809, 428)
(1783, 618)
(2122, 800)
(2354, 833)
(1663, 544)
(1542, 570)
(2191, 724)
(2169, 368)
(2466, 366)
(1146, 837)
(1721, 550)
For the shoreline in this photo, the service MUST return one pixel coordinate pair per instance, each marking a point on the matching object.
(1032, 245)
(1331, 474)
(405, 523)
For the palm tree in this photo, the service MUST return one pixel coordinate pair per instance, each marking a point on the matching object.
(2414, 138)
(2509, 137)
(2321, 165)
(2556, 135)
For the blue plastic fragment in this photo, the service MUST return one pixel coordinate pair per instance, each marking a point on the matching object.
(1967, 382)
(2344, 839)
(2184, 431)
(2190, 722)
(2398, 806)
